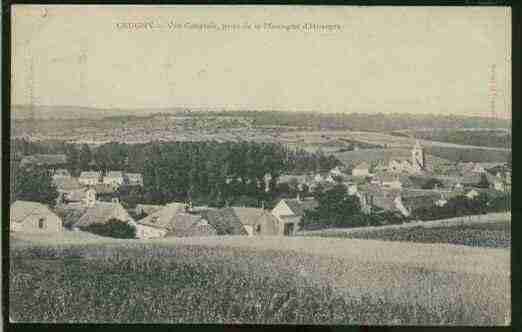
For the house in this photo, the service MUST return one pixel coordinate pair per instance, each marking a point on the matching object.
(416, 199)
(89, 178)
(146, 231)
(363, 169)
(300, 180)
(85, 196)
(66, 184)
(146, 209)
(351, 188)
(336, 171)
(224, 222)
(173, 220)
(289, 213)
(106, 192)
(499, 182)
(390, 181)
(49, 161)
(442, 201)
(401, 166)
(375, 199)
(70, 214)
(133, 179)
(380, 168)
(319, 177)
(242, 221)
(256, 221)
(384, 200)
(102, 212)
(471, 167)
(478, 169)
(415, 164)
(114, 179)
(61, 173)
(330, 178)
(472, 194)
(472, 179)
(33, 217)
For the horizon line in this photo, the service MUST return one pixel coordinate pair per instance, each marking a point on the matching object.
(500, 116)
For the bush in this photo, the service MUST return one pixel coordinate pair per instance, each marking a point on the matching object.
(113, 228)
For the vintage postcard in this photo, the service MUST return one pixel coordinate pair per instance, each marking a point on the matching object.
(260, 164)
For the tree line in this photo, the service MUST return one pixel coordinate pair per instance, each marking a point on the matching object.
(208, 173)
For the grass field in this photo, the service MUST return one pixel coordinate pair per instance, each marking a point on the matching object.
(256, 280)
(492, 235)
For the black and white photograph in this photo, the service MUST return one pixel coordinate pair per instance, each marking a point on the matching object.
(300, 165)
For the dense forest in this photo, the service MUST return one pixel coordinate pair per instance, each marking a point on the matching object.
(361, 121)
(491, 138)
(204, 172)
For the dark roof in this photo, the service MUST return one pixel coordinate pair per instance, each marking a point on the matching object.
(186, 224)
(414, 199)
(70, 214)
(177, 222)
(44, 159)
(76, 195)
(299, 207)
(384, 201)
(225, 222)
(472, 178)
(102, 212)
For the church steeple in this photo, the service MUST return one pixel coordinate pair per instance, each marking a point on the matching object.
(417, 156)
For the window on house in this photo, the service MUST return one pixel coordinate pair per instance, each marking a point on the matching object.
(258, 228)
(41, 223)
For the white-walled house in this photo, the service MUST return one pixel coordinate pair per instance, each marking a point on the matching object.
(114, 179)
(149, 231)
(33, 217)
(89, 178)
(133, 179)
(336, 171)
(85, 196)
(352, 188)
(61, 173)
(363, 169)
(472, 194)
(391, 182)
(289, 213)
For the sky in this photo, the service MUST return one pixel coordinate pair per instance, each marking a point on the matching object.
(370, 59)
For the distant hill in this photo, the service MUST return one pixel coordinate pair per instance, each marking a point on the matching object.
(323, 121)
(23, 112)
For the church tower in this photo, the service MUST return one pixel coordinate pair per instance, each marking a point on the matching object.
(417, 157)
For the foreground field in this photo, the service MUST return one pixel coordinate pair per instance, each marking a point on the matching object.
(257, 280)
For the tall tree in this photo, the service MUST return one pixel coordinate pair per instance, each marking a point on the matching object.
(84, 158)
(34, 184)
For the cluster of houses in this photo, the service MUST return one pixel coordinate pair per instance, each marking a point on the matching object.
(174, 219)
(103, 187)
(395, 185)
(399, 184)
